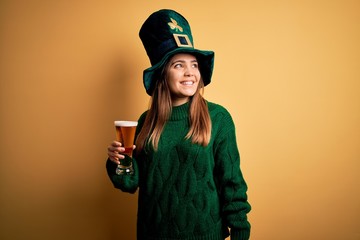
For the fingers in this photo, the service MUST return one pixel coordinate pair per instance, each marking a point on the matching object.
(114, 152)
(116, 144)
(115, 157)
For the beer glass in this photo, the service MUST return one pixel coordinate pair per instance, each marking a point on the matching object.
(125, 133)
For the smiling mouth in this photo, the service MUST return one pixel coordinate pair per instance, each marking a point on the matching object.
(187, 83)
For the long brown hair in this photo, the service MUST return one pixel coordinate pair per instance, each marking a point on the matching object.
(160, 111)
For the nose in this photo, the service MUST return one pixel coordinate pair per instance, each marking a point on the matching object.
(189, 71)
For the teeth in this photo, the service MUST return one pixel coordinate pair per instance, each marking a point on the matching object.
(187, 83)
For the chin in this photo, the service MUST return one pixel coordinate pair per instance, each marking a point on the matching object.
(188, 94)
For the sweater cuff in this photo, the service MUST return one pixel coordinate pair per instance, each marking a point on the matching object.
(240, 234)
(126, 183)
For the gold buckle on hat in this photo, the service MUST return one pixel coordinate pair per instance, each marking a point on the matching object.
(182, 40)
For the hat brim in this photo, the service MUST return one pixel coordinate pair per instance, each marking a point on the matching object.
(205, 60)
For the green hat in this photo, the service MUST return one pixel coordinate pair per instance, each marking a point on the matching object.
(164, 34)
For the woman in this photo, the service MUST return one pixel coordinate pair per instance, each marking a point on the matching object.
(186, 159)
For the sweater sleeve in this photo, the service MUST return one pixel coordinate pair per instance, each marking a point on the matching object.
(231, 184)
(125, 182)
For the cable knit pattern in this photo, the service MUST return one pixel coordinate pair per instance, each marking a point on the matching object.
(187, 191)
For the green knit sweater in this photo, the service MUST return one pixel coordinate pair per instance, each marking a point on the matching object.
(187, 191)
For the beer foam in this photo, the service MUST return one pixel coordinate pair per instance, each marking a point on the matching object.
(126, 123)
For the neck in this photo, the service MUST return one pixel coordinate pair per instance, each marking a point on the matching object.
(179, 101)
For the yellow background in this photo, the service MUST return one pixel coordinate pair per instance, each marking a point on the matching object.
(288, 71)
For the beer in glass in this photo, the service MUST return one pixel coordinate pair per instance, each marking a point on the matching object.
(125, 133)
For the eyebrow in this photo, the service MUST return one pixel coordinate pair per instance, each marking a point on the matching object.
(182, 61)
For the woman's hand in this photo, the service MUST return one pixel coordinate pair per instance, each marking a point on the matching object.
(114, 152)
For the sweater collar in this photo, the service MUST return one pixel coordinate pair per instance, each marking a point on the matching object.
(180, 112)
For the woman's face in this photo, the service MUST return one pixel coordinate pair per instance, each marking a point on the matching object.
(183, 77)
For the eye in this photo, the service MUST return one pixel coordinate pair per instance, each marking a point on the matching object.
(195, 65)
(178, 65)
